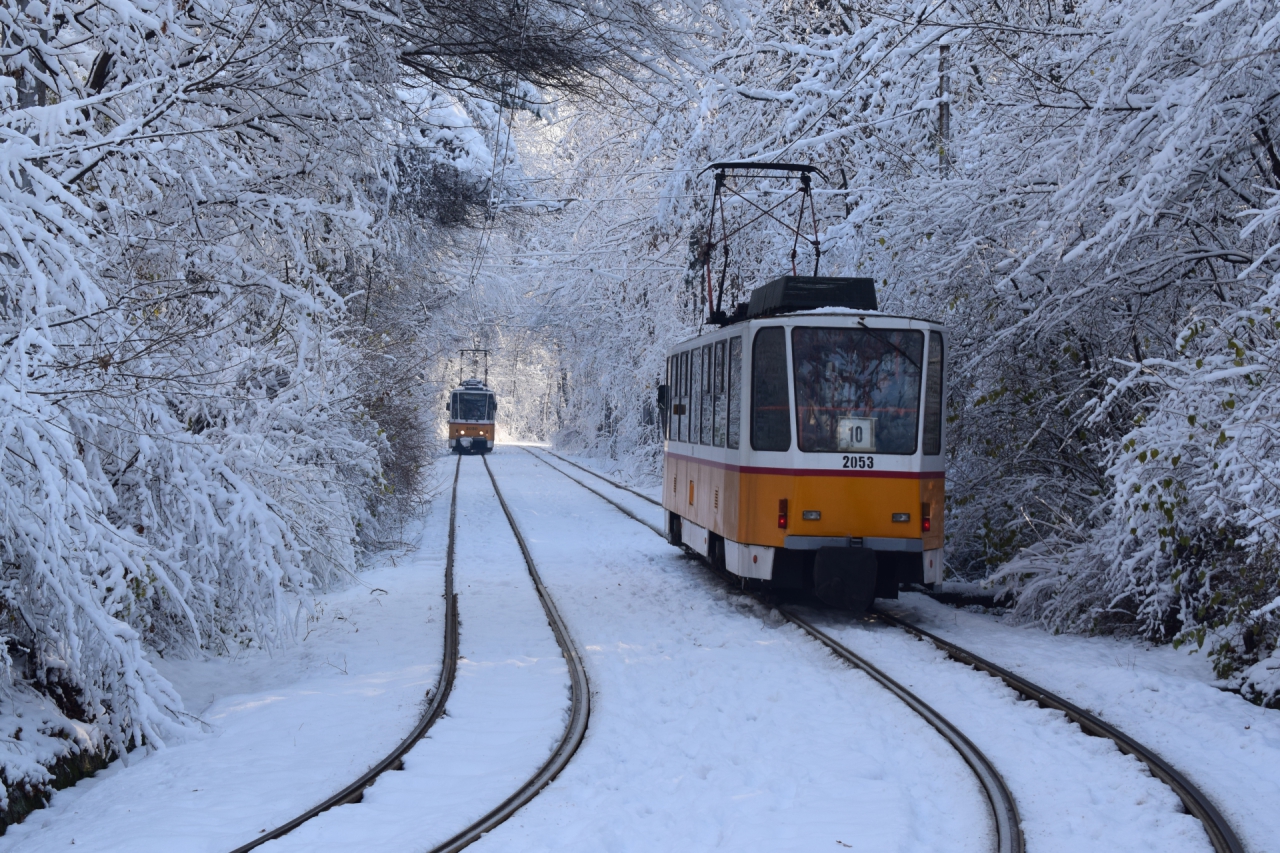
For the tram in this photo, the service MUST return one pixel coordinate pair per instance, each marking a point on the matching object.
(472, 409)
(804, 442)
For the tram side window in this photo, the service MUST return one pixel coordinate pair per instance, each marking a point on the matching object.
(708, 401)
(933, 397)
(770, 407)
(721, 400)
(684, 396)
(734, 390)
(695, 394)
(666, 423)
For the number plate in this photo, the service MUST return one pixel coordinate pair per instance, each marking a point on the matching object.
(857, 434)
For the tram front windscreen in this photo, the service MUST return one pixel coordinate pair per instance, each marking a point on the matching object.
(857, 390)
(472, 406)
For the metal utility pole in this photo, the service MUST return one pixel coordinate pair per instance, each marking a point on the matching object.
(944, 110)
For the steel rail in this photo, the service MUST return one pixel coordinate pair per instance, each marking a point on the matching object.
(601, 476)
(394, 760)
(1004, 809)
(1221, 835)
(579, 712)
(619, 507)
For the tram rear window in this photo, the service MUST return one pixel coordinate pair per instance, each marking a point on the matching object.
(857, 390)
(472, 407)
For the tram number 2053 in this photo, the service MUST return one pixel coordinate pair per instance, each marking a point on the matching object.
(859, 461)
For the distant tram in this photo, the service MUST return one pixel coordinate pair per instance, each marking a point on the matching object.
(804, 442)
(472, 409)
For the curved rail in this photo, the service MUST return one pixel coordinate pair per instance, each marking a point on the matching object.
(601, 476)
(1004, 810)
(1221, 835)
(619, 507)
(354, 792)
(579, 712)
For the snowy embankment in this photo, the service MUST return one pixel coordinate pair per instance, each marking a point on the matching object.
(282, 730)
(1163, 697)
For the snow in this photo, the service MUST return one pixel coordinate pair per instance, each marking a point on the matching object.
(503, 719)
(715, 724)
(283, 730)
(1074, 792)
(35, 734)
(1164, 698)
(712, 727)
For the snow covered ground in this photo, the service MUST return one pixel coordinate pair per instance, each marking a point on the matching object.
(503, 719)
(286, 729)
(715, 725)
(1163, 697)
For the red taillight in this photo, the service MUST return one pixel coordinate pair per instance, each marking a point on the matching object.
(924, 518)
(782, 514)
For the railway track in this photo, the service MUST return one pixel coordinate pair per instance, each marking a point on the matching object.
(354, 792)
(575, 728)
(1004, 808)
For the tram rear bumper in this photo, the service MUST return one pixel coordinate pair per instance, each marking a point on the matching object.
(900, 561)
(875, 543)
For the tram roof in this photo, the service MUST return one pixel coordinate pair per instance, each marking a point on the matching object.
(824, 313)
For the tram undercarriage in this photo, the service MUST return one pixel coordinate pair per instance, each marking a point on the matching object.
(848, 575)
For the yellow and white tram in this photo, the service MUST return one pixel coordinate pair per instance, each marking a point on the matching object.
(472, 412)
(804, 442)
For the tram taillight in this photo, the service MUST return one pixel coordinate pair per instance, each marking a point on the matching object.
(782, 513)
(924, 518)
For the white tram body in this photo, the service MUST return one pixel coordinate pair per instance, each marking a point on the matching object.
(805, 442)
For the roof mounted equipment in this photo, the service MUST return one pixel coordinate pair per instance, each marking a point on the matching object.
(791, 293)
(743, 170)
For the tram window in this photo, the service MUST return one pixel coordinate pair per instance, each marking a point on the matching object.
(473, 407)
(933, 397)
(666, 422)
(708, 401)
(857, 389)
(770, 407)
(684, 396)
(734, 390)
(695, 395)
(721, 402)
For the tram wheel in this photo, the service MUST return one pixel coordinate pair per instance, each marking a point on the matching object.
(845, 577)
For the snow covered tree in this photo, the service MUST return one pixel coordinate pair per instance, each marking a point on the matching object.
(218, 225)
(1086, 192)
